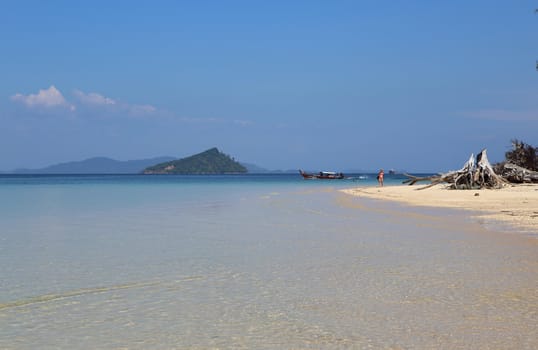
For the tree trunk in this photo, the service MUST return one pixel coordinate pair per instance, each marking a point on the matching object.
(516, 174)
(473, 174)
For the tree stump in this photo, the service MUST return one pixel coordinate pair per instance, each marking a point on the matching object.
(473, 174)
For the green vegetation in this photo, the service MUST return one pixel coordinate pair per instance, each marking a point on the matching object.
(523, 154)
(211, 161)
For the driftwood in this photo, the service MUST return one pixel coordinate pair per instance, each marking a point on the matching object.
(473, 174)
(516, 174)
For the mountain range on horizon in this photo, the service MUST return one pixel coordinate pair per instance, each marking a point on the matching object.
(96, 165)
(105, 165)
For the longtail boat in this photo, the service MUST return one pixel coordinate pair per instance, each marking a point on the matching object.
(323, 175)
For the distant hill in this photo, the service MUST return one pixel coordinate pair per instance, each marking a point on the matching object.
(254, 169)
(97, 165)
(211, 161)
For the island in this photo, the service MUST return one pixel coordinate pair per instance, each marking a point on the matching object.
(211, 161)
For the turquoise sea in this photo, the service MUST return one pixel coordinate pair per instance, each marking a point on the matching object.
(253, 262)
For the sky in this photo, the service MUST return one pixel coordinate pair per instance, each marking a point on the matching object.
(318, 85)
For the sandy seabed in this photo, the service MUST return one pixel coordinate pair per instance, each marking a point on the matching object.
(515, 205)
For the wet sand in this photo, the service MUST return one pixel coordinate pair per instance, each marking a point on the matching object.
(516, 206)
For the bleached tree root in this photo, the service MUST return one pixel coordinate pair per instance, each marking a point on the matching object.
(516, 174)
(473, 174)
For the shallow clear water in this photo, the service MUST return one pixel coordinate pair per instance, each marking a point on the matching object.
(254, 262)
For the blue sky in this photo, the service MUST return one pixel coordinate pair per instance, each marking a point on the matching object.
(320, 85)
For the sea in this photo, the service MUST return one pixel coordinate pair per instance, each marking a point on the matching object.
(256, 261)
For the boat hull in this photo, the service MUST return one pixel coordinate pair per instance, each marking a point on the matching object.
(324, 175)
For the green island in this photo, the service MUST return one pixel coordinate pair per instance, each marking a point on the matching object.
(211, 161)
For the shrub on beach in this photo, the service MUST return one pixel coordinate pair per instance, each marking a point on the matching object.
(522, 154)
(520, 164)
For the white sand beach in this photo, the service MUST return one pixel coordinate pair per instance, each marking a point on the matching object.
(515, 205)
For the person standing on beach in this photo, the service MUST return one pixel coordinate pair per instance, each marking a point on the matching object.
(380, 176)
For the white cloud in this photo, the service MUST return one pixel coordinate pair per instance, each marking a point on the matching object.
(503, 115)
(142, 109)
(93, 98)
(46, 98)
(89, 104)
(242, 122)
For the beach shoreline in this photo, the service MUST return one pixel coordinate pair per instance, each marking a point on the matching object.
(514, 205)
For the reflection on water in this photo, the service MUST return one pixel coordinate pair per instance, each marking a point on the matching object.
(258, 269)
